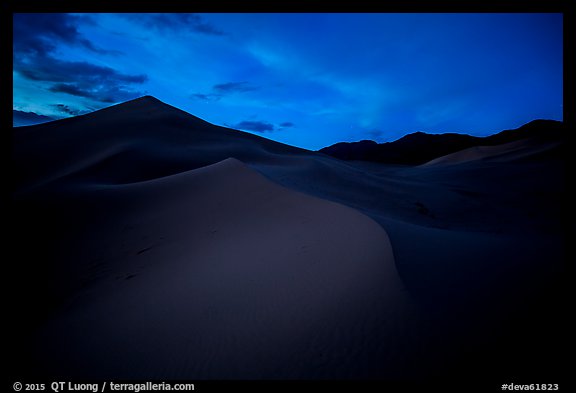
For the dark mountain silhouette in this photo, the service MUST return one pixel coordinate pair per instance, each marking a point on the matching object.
(420, 147)
(21, 118)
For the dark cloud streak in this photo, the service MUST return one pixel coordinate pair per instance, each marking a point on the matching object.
(40, 34)
(256, 126)
(102, 93)
(69, 110)
(175, 23)
(206, 97)
(36, 39)
(223, 89)
(233, 87)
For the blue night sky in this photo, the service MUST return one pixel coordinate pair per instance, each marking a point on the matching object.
(308, 80)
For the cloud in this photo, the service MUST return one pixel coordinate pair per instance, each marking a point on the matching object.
(175, 23)
(220, 90)
(21, 118)
(36, 40)
(256, 126)
(233, 87)
(107, 93)
(68, 88)
(51, 69)
(40, 34)
(206, 97)
(69, 110)
(260, 126)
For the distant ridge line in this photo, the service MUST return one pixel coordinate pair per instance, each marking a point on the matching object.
(419, 147)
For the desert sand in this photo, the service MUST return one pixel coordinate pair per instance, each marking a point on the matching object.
(152, 244)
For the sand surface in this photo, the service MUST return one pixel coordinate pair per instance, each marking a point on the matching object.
(219, 273)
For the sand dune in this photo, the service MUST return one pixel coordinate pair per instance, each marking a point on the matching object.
(516, 150)
(157, 245)
(219, 273)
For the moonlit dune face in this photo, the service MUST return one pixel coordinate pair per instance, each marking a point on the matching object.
(219, 273)
(159, 246)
